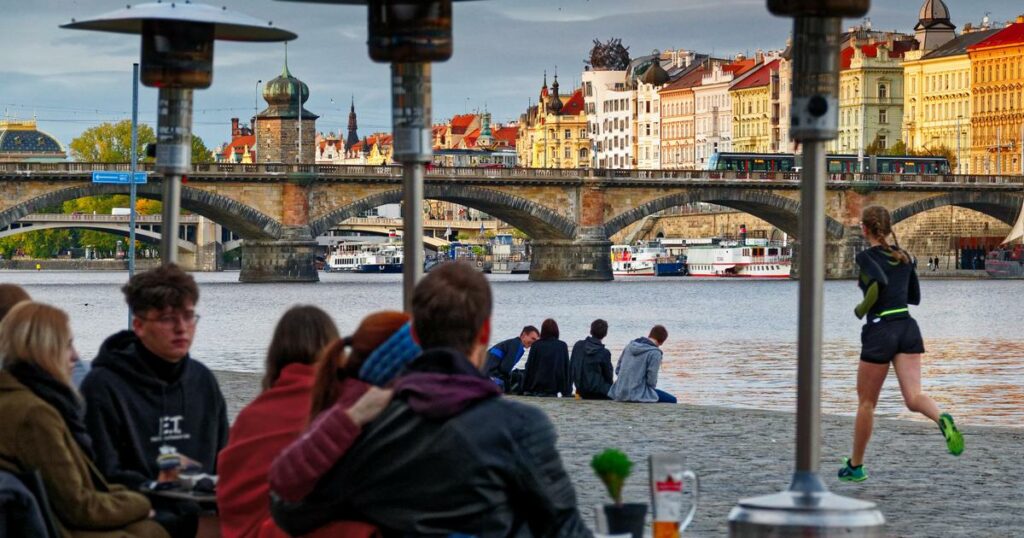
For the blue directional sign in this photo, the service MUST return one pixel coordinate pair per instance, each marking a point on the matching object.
(121, 178)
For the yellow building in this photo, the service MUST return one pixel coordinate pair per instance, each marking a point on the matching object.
(553, 133)
(754, 119)
(997, 108)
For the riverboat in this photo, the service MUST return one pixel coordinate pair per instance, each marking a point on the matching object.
(747, 259)
(636, 260)
(344, 258)
(388, 259)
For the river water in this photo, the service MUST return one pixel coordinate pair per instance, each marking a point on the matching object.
(731, 343)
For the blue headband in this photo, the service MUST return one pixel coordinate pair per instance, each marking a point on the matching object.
(390, 357)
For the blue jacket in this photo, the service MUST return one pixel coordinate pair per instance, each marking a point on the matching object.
(503, 357)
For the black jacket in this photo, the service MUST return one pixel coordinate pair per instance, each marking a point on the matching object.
(131, 413)
(591, 369)
(547, 369)
(490, 468)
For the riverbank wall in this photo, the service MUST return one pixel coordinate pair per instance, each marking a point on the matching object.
(920, 488)
(78, 264)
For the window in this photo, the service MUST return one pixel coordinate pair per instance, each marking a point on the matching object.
(882, 141)
(568, 152)
(883, 116)
(568, 134)
(648, 107)
(583, 133)
(883, 91)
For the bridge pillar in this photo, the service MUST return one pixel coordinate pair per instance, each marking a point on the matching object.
(289, 259)
(587, 257)
(840, 255)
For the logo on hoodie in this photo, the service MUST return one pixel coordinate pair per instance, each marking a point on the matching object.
(170, 429)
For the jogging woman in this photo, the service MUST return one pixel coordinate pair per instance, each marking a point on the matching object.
(889, 283)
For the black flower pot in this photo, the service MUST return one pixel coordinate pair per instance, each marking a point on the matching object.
(629, 517)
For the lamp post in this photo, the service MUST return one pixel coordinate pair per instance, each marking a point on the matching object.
(958, 165)
(177, 57)
(409, 34)
(256, 123)
(807, 508)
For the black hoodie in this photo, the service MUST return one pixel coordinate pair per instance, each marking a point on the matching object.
(591, 366)
(131, 412)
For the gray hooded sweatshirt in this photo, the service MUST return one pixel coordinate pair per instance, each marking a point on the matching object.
(637, 372)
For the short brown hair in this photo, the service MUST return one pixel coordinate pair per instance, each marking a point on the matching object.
(300, 334)
(599, 328)
(659, 333)
(10, 295)
(450, 306)
(157, 289)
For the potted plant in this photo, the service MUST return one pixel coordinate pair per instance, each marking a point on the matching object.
(613, 467)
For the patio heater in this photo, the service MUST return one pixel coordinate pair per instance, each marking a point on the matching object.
(177, 57)
(409, 34)
(807, 508)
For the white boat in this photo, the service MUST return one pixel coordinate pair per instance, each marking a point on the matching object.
(750, 259)
(385, 258)
(344, 258)
(636, 260)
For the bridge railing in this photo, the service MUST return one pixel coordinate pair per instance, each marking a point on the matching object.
(328, 171)
(88, 217)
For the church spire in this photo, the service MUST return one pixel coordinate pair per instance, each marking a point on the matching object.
(352, 138)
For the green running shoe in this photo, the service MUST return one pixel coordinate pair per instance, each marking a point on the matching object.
(954, 439)
(849, 473)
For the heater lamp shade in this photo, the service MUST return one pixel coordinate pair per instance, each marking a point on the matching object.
(227, 25)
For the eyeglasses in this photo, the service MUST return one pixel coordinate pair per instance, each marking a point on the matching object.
(187, 319)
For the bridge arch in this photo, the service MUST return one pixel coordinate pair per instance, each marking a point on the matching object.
(535, 220)
(245, 221)
(145, 236)
(1004, 206)
(779, 211)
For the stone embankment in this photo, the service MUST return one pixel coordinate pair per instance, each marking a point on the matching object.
(921, 489)
(78, 264)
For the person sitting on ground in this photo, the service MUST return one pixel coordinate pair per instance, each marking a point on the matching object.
(448, 455)
(270, 423)
(12, 294)
(147, 397)
(638, 370)
(43, 429)
(345, 398)
(504, 356)
(547, 367)
(591, 364)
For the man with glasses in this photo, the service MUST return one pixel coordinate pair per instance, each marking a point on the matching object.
(150, 408)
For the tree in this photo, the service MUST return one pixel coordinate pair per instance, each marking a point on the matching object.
(111, 143)
(608, 56)
(200, 153)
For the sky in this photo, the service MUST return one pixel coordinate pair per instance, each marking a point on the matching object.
(71, 80)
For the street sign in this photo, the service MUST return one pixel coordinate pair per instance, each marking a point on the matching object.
(121, 178)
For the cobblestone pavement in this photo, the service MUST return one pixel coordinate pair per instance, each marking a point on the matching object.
(921, 489)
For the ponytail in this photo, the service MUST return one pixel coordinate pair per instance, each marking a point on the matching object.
(878, 222)
(898, 253)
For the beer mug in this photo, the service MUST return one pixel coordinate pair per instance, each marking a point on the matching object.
(667, 475)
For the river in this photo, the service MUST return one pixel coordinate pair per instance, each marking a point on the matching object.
(731, 343)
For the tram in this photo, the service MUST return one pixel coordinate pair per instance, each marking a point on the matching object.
(835, 163)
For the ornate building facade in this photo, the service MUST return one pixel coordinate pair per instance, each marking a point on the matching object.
(997, 93)
(648, 116)
(553, 133)
(22, 141)
(677, 113)
(755, 119)
(713, 109)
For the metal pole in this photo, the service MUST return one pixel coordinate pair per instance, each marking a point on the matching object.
(999, 150)
(958, 165)
(256, 123)
(298, 97)
(173, 161)
(410, 112)
(132, 187)
(807, 508)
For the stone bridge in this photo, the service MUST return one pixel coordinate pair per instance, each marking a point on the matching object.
(570, 214)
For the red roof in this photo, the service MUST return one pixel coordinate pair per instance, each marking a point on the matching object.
(689, 80)
(739, 67)
(1011, 35)
(574, 105)
(761, 77)
(870, 50)
(505, 136)
(461, 122)
(238, 145)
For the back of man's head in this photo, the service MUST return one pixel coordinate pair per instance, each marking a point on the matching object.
(659, 334)
(599, 329)
(10, 295)
(450, 306)
(157, 289)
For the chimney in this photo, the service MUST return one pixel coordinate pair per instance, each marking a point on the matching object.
(759, 56)
(234, 127)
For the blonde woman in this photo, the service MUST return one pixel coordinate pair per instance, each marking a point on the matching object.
(890, 335)
(43, 429)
